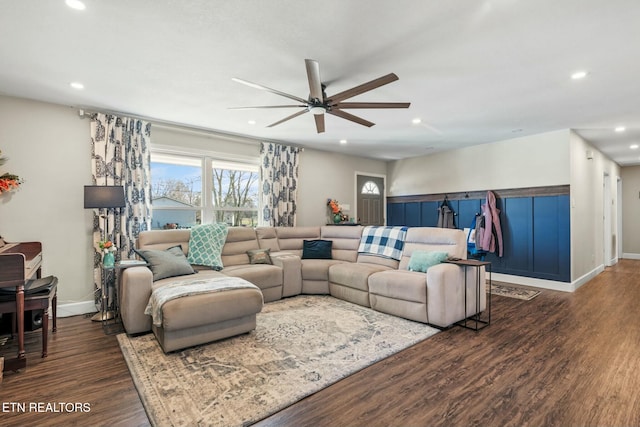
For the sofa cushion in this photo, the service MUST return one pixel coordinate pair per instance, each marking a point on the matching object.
(346, 240)
(205, 245)
(316, 249)
(317, 269)
(267, 238)
(262, 275)
(259, 256)
(354, 275)
(400, 285)
(422, 260)
(168, 263)
(239, 241)
(433, 239)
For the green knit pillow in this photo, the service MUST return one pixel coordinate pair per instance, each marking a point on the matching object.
(422, 260)
(205, 245)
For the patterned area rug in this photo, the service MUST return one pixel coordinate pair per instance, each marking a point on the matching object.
(508, 290)
(300, 345)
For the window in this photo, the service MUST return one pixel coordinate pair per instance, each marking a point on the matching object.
(234, 190)
(189, 190)
(370, 187)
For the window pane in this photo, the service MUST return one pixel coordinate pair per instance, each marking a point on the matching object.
(237, 218)
(176, 184)
(176, 189)
(235, 188)
(370, 187)
(174, 218)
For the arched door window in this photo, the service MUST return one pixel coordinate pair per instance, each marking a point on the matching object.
(370, 187)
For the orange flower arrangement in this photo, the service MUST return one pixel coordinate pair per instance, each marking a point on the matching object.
(336, 211)
(334, 206)
(9, 182)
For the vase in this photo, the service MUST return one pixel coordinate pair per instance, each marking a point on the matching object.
(108, 260)
(337, 218)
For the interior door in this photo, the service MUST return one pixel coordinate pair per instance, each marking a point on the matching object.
(370, 198)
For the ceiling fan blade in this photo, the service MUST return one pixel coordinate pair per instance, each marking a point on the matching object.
(351, 117)
(287, 118)
(268, 89)
(343, 105)
(319, 122)
(313, 75)
(365, 87)
(266, 106)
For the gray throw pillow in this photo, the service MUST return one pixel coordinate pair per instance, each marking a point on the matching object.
(168, 263)
(259, 256)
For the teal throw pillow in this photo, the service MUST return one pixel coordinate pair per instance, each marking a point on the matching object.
(205, 245)
(422, 260)
(168, 263)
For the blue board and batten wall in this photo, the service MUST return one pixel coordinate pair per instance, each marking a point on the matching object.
(535, 226)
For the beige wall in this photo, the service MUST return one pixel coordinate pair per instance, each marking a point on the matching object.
(531, 161)
(587, 208)
(49, 146)
(325, 175)
(631, 212)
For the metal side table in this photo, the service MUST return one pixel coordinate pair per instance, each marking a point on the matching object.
(475, 322)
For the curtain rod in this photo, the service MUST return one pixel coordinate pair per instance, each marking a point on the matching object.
(88, 114)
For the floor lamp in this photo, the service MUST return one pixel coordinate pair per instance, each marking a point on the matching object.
(104, 198)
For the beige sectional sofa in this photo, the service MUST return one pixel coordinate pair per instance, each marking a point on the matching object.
(435, 297)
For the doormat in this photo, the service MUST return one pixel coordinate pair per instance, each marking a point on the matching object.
(511, 291)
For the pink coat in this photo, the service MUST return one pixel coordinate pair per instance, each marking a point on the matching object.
(492, 230)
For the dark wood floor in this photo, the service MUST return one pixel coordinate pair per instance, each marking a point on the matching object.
(558, 360)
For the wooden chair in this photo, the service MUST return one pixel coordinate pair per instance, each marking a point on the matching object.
(39, 294)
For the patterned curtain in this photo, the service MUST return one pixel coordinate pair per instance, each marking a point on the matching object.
(120, 155)
(279, 179)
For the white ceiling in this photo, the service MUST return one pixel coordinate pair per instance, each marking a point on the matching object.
(474, 71)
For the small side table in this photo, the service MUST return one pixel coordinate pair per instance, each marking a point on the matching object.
(113, 310)
(475, 322)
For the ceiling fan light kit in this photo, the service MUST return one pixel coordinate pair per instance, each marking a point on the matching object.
(318, 103)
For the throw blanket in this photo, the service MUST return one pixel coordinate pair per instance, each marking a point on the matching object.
(184, 288)
(383, 241)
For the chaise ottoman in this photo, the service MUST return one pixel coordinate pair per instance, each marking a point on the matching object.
(197, 311)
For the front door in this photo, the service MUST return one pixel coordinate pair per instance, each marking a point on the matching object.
(370, 200)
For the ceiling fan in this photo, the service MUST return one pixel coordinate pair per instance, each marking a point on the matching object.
(319, 103)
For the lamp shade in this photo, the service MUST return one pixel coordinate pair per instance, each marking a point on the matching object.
(103, 196)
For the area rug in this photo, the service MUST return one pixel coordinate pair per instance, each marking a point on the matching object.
(507, 290)
(300, 345)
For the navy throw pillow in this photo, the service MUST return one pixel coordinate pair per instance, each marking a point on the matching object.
(316, 249)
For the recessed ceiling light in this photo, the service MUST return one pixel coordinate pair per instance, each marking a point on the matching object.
(76, 85)
(343, 141)
(634, 146)
(75, 4)
(252, 122)
(416, 121)
(620, 129)
(579, 75)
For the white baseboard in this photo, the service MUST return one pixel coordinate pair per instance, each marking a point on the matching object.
(76, 308)
(630, 256)
(548, 284)
(586, 277)
(536, 283)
